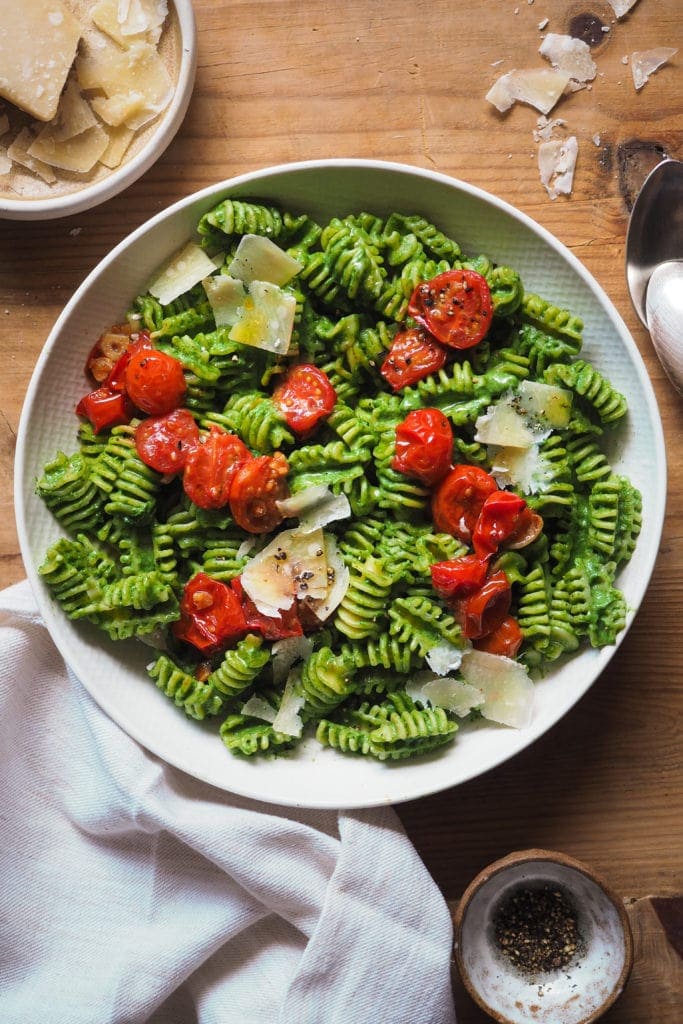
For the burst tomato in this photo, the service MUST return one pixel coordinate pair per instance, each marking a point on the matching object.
(414, 354)
(271, 627)
(484, 610)
(459, 577)
(506, 639)
(164, 442)
(498, 520)
(211, 467)
(105, 408)
(424, 446)
(455, 307)
(211, 615)
(155, 381)
(256, 489)
(459, 498)
(305, 397)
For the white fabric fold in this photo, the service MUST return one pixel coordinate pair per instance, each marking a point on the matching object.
(132, 892)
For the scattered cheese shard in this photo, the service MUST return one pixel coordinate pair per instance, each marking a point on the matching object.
(119, 140)
(257, 707)
(79, 154)
(556, 165)
(315, 507)
(522, 468)
(288, 720)
(258, 258)
(569, 54)
(226, 297)
(38, 42)
(266, 319)
(444, 657)
(546, 128)
(539, 87)
(184, 270)
(508, 690)
(338, 579)
(645, 62)
(286, 653)
(622, 7)
(292, 565)
(546, 403)
(18, 152)
(504, 425)
(5, 162)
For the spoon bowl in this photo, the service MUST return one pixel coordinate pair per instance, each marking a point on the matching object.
(664, 311)
(655, 231)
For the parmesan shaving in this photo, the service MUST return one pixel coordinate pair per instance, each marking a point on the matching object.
(184, 270)
(226, 297)
(539, 87)
(338, 577)
(556, 164)
(257, 707)
(547, 128)
(18, 151)
(508, 691)
(257, 258)
(645, 62)
(315, 507)
(286, 653)
(288, 720)
(79, 153)
(266, 318)
(444, 657)
(454, 695)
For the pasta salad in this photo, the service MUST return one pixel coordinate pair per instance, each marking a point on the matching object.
(343, 479)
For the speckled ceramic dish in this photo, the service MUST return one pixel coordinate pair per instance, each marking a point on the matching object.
(577, 992)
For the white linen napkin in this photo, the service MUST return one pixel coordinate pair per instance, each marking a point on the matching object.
(132, 892)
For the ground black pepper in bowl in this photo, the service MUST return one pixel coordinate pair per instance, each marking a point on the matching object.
(537, 928)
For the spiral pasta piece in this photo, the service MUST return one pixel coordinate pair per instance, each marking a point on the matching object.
(198, 700)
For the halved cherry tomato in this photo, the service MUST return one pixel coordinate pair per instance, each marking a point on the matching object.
(211, 467)
(164, 442)
(305, 397)
(155, 381)
(117, 375)
(459, 498)
(498, 520)
(105, 408)
(455, 307)
(414, 354)
(424, 446)
(256, 488)
(271, 627)
(506, 639)
(459, 577)
(484, 610)
(211, 615)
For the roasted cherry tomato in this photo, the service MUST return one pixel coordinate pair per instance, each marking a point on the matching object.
(164, 442)
(498, 520)
(155, 381)
(459, 577)
(211, 467)
(454, 306)
(105, 408)
(459, 498)
(414, 354)
(305, 397)
(211, 615)
(424, 446)
(506, 639)
(270, 627)
(484, 610)
(257, 487)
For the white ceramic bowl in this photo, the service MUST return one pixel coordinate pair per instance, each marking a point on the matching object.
(49, 208)
(114, 673)
(577, 993)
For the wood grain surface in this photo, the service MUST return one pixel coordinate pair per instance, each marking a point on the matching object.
(282, 81)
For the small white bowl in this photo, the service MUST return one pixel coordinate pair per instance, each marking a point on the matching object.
(96, 192)
(577, 993)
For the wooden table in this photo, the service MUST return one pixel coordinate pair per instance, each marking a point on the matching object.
(285, 81)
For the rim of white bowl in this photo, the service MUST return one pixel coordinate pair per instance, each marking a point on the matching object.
(409, 789)
(129, 172)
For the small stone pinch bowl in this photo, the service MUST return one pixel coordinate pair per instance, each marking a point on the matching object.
(577, 993)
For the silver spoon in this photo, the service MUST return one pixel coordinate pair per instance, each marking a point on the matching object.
(654, 263)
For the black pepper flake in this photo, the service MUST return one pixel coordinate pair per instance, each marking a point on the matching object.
(537, 930)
